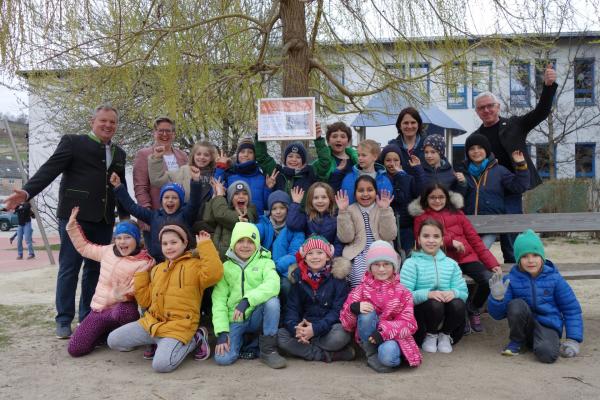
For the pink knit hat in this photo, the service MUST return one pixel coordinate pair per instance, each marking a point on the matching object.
(316, 242)
(382, 251)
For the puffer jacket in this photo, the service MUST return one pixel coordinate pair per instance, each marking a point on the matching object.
(113, 269)
(485, 195)
(282, 246)
(320, 307)
(351, 228)
(172, 292)
(394, 307)
(456, 227)
(255, 280)
(250, 173)
(549, 296)
(443, 175)
(382, 180)
(422, 273)
(324, 225)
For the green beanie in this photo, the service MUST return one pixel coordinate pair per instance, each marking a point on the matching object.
(245, 230)
(528, 242)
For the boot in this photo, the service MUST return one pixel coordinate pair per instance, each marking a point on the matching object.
(268, 352)
(345, 354)
(370, 350)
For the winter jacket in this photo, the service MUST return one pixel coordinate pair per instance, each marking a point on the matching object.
(223, 218)
(549, 296)
(383, 182)
(456, 227)
(485, 195)
(405, 156)
(159, 176)
(326, 163)
(186, 215)
(250, 173)
(444, 175)
(421, 273)
(257, 282)
(320, 307)
(172, 292)
(513, 131)
(406, 189)
(394, 307)
(283, 246)
(351, 228)
(325, 225)
(113, 269)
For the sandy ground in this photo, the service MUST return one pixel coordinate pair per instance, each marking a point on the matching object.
(35, 365)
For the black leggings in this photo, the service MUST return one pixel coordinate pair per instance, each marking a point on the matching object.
(481, 275)
(432, 313)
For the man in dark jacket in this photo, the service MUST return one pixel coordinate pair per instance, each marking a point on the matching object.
(509, 134)
(86, 162)
(24, 231)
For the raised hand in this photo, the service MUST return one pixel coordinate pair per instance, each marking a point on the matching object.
(158, 151)
(460, 177)
(218, 188)
(497, 287)
(222, 158)
(115, 180)
(342, 200)
(458, 246)
(413, 161)
(384, 199)
(518, 156)
(195, 173)
(202, 236)
(270, 180)
(297, 194)
(318, 131)
(549, 75)
(342, 165)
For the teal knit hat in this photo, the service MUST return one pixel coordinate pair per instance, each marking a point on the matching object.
(528, 242)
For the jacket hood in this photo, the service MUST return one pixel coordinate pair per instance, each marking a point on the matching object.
(379, 169)
(415, 209)
(340, 269)
(424, 257)
(243, 230)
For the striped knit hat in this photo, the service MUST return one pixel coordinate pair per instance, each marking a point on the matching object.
(316, 242)
(382, 251)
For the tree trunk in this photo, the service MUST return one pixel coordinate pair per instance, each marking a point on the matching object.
(295, 65)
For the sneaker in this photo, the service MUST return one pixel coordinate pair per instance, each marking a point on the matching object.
(475, 322)
(203, 349)
(63, 331)
(346, 354)
(31, 256)
(513, 348)
(19, 257)
(430, 343)
(444, 343)
(149, 351)
(467, 330)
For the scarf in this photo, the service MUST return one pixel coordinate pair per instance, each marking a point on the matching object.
(246, 168)
(313, 279)
(475, 170)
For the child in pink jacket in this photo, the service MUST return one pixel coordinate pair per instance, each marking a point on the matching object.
(380, 309)
(113, 303)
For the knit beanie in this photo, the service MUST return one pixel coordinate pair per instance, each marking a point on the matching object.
(528, 242)
(245, 230)
(316, 242)
(128, 228)
(175, 187)
(382, 251)
(238, 186)
(279, 196)
(478, 139)
(295, 147)
(437, 142)
(390, 148)
(245, 143)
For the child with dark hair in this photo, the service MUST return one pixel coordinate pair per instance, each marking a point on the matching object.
(437, 168)
(335, 155)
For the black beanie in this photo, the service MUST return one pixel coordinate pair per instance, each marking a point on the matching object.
(478, 139)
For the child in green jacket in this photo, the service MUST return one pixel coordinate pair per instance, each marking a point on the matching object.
(245, 300)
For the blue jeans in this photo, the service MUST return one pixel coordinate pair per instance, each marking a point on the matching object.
(388, 352)
(25, 231)
(265, 317)
(69, 264)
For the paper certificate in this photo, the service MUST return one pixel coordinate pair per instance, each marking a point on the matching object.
(291, 118)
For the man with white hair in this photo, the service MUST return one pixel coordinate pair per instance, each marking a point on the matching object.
(509, 134)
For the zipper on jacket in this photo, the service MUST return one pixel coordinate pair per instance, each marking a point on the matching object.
(437, 277)
(243, 279)
(533, 294)
(181, 277)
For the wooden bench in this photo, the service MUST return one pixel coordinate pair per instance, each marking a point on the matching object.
(546, 223)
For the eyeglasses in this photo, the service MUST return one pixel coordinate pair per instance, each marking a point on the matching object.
(436, 198)
(486, 107)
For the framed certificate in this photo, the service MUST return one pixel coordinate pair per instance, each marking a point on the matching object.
(290, 118)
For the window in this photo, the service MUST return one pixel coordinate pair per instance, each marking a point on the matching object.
(540, 68)
(457, 86)
(542, 160)
(458, 154)
(421, 85)
(482, 78)
(585, 160)
(519, 84)
(584, 81)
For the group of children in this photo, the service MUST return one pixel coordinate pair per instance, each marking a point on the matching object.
(304, 257)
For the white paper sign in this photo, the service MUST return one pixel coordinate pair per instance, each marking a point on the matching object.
(290, 118)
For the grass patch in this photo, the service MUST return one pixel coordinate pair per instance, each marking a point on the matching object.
(54, 247)
(14, 319)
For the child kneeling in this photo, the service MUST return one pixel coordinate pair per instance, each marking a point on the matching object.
(245, 300)
(312, 328)
(538, 321)
(381, 311)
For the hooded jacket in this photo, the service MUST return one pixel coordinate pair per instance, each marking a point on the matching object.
(322, 306)
(172, 292)
(444, 174)
(456, 227)
(422, 273)
(325, 165)
(394, 307)
(255, 280)
(551, 299)
(283, 246)
(382, 180)
(250, 173)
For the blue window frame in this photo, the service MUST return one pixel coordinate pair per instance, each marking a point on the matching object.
(418, 69)
(542, 160)
(585, 160)
(584, 76)
(520, 86)
(457, 87)
(482, 78)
